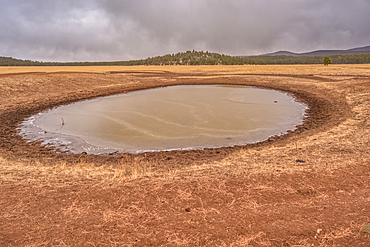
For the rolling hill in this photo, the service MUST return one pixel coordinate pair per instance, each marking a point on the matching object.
(353, 51)
(360, 55)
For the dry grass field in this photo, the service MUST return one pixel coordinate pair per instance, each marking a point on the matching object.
(253, 195)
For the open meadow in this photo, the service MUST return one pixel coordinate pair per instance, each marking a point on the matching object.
(252, 195)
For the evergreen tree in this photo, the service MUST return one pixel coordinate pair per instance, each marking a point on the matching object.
(327, 61)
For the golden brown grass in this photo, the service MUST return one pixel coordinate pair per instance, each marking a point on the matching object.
(258, 196)
(358, 69)
(37, 171)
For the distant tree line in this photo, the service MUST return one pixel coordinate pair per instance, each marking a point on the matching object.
(201, 58)
(335, 59)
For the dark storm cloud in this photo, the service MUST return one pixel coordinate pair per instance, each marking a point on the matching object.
(73, 30)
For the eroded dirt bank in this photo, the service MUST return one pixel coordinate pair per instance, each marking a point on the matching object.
(256, 194)
(326, 109)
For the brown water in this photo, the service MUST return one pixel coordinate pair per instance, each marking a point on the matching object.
(178, 117)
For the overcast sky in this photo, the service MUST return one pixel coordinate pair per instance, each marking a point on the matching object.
(108, 30)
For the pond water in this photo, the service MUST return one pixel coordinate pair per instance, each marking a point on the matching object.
(170, 118)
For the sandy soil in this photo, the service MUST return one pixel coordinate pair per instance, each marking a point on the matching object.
(257, 195)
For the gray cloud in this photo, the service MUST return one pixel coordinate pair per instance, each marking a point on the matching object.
(96, 30)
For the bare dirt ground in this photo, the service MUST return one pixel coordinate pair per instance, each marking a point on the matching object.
(253, 195)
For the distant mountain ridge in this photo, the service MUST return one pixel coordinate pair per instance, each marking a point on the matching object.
(353, 51)
(359, 55)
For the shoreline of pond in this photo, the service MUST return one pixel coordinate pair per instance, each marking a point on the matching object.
(54, 133)
(324, 111)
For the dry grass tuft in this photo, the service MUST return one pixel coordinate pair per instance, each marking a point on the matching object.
(366, 228)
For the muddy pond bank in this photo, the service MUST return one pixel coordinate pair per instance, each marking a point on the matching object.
(49, 90)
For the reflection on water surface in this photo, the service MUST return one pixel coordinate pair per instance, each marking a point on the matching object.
(178, 117)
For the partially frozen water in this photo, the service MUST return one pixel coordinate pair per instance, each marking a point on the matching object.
(177, 117)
